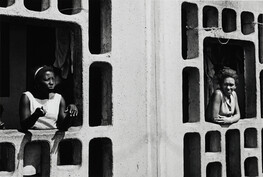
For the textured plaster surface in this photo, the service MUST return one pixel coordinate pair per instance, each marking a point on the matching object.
(147, 132)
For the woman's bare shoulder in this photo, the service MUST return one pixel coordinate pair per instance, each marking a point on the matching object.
(234, 93)
(218, 93)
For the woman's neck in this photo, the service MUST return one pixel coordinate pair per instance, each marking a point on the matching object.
(41, 95)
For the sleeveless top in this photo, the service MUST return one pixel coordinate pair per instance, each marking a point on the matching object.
(228, 106)
(51, 106)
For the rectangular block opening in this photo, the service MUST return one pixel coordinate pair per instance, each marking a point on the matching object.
(99, 26)
(190, 47)
(262, 149)
(69, 7)
(100, 157)
(261, 93)
(250, 136)
(247, 23)
(7, 157)
(100, 94)
(251, 166)
(192, 155)
(37, 155)
(36, 5)
(233, 158)
(210, 17)
(214, 169)
(213, 141)
(4, 60)
(260, 37)
(69, 152)
(191, 98)
(229, 20)
(239, 56)
(23, 50)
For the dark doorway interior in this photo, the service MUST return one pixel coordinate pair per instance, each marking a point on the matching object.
(238, 55)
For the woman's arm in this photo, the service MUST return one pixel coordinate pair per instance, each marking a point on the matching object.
(26, 119)
(64, 119)
(216, 103)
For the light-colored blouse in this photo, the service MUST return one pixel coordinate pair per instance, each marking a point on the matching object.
(51, 106)
(228, 106)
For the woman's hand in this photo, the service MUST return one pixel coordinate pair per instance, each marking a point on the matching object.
(66, 115)
(72, 110)
(40, 112)
(223, 120)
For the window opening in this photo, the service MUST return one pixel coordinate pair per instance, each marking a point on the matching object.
(191, 103)
(189, 19)
(233, 153)
(247, 23)
(99, 26)
(100, 94)
(251, 166)
(64, 53)
(36, 5)
(214, 169)
(69, 152)
(4, 60)
(213, 141)
(100, 157)
(192, 155)
(6, 3)
(7, 157)
(250, 135)
(210, 17)
(37, 154)
(240, 56)
(69, 7)
(59, 45)
(229, 20)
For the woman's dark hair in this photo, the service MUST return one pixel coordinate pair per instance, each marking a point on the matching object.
(40, 71)
(226, 72)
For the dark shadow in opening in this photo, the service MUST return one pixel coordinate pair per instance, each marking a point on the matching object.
(100, 157)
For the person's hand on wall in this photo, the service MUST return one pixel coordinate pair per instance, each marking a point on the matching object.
(223, 120)
(72, 110)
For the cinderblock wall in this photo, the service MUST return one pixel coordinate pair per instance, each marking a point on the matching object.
(142, 79)
(110, 137)
(196, 37)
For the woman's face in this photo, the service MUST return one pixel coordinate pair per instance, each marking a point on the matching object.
(48, 80)
(228, 86)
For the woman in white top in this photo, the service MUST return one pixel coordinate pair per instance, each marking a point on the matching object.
(223, 105)
(42, 108)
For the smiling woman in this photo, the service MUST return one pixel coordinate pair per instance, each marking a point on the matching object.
(223, 105)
